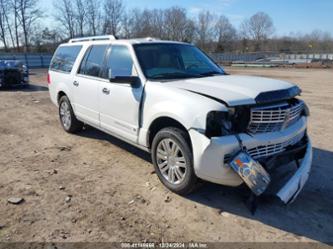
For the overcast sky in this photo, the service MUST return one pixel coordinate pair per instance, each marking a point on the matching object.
(289, 16)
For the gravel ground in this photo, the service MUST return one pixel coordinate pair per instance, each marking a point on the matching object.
(93, 187)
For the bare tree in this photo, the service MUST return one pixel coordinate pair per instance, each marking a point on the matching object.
(189, 31)
(113, 12)
(138, 23)
(258, 28)
(80, 16)
(157, 23)
(225, 33)
(14, 4)
(66, 15)
(205, 29)
(19, 26)
(127, 21)
(93, 16)
(28, 14)
(7, 10)
(142, 23)
(177, 25)
(3, 30)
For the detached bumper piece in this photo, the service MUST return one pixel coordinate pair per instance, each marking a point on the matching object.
(283, 175)
(295, 184)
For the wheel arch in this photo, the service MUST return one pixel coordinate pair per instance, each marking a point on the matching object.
(162, 122)
(60, 94)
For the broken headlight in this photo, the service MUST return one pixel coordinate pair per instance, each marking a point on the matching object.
(218, 124)
(222, 123)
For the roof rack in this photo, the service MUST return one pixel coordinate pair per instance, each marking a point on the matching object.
(93, 38)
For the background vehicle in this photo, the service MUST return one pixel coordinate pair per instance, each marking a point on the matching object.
(13, 73)
(172, 100)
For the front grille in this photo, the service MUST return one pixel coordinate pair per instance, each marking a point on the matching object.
(269, 150)
(272, 149)
(275, 117)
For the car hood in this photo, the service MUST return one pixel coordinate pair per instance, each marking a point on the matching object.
(236, 90)
(9, 64)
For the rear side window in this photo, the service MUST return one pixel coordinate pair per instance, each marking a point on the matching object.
(64, 58)
(92, 63)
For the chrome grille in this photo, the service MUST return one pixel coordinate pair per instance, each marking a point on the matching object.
(275, 117)
(272, 149)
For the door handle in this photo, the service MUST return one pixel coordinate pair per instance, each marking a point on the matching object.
(106, 91)
(75, 83)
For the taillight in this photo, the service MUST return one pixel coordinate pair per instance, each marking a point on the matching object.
(48, 78)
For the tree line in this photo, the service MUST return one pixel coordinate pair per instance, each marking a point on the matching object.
(22, 27)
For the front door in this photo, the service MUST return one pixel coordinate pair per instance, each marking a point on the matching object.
(120, 103)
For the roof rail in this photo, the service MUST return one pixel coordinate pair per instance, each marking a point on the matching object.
(93, 38)
(151, 38)
(145, 39)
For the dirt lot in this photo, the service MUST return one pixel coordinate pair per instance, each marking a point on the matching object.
(42, 164)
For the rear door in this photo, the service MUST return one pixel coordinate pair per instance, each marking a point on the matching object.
(86, 84)
(60, 71)
(120, 103)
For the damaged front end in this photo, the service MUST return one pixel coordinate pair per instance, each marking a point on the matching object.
(266, 145)
(282, 175)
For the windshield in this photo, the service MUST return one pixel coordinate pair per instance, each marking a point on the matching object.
(162, 61)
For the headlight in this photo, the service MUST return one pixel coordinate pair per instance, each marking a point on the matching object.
(24, 68)
(218, 124)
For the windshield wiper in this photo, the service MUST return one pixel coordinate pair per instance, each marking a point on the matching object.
(173, 75)
(211, 73)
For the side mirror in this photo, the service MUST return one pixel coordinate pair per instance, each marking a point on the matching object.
(125, 79)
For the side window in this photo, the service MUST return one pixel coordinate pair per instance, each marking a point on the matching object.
(120, 62)
(64, 58)
(92, 63)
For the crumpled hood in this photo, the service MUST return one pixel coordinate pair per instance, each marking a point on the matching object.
(235, 90)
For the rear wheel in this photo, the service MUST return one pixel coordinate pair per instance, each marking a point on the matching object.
(173, 162)
(67, 116)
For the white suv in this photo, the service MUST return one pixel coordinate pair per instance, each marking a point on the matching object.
(170, 99)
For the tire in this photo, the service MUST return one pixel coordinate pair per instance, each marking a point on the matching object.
(174, 163)
(67, 117)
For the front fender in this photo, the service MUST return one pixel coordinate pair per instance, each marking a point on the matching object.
(189, 109)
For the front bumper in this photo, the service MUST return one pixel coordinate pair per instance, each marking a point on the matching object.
(209, 157)
(13, 77)
(293, 187)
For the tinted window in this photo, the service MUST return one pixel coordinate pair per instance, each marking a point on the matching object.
(92, 63)
(171, 61)
(64, 58)
(120, 62)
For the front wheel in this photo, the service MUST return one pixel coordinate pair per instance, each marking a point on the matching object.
(173, 160)
(67, 116)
